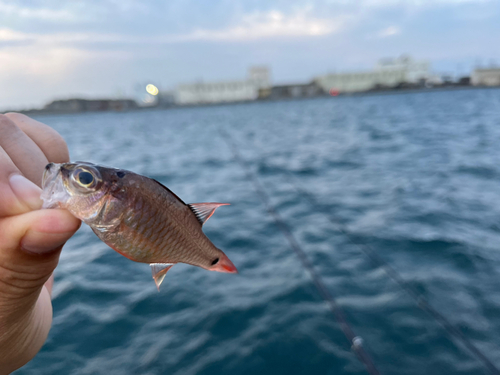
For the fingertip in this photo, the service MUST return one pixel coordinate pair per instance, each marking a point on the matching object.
(56, 221)
(31, 245)
(43, 243)
(14, 115)
(49, 231)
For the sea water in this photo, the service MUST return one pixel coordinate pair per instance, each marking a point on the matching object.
(416, 177)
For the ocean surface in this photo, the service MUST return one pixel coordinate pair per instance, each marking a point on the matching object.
(413, 177)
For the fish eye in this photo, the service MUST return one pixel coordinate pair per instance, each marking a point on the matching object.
(84, 178)
(216, 260)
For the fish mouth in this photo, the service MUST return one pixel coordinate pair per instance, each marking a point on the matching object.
(54, 194)
(50, 174)
(224, 265)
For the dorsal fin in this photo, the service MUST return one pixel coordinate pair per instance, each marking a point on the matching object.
(203, 211)
(170, 191)
(159, 270)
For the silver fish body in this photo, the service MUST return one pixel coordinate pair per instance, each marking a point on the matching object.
(135, 215)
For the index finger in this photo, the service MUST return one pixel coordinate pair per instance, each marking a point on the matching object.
(22, 150)
(50, 142)
(17, 194)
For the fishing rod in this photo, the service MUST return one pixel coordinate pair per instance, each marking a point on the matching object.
(420, 300)
(355, 341)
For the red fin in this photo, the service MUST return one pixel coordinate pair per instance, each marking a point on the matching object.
(159, 271)
(204, 211)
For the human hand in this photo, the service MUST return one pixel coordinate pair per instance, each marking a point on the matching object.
(30, 239)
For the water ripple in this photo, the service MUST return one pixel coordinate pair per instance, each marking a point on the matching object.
(413, 176)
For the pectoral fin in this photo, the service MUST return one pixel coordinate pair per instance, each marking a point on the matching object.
(204, 211)
(159, 271)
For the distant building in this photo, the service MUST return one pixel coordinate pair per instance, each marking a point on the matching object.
(486, 77)
(83, 105)
(387, 73)
(229, 91)
(307, 90)
(464, 81)
(166, 99)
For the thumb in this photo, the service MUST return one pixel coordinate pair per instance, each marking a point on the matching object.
(29, 253)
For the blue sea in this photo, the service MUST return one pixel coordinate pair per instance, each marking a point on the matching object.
(413, 177)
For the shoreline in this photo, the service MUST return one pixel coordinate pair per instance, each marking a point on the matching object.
(341, 95)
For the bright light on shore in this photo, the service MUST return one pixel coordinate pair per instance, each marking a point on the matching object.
(152, 89)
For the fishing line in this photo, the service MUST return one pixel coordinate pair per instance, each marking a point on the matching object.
(356, 341)
(420, 300)
(397, 278)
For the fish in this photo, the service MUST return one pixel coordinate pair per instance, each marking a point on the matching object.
(136, 216)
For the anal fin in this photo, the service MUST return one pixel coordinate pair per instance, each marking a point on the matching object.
(159, 270)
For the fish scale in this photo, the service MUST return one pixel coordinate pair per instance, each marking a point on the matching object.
(136, 216)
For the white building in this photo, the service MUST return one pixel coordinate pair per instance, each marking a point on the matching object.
(229, 91)
(486, 77)
(387, 73)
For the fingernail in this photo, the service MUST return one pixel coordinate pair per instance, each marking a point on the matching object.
(26, 191)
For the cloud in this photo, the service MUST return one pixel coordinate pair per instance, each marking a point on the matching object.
(51, 40)
(270, 24)
(390, 31)
(46, 14)
(10, 35)
(418, 3)
(49, 48)
(254, 26)
(34, 74)
(10, 38)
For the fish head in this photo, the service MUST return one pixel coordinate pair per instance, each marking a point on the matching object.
(78, 187)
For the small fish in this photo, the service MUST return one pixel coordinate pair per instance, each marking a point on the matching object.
(135, 215)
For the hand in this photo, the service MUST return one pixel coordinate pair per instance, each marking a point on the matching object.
(30, 239)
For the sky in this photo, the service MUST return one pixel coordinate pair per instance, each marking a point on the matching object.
(111, 48)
